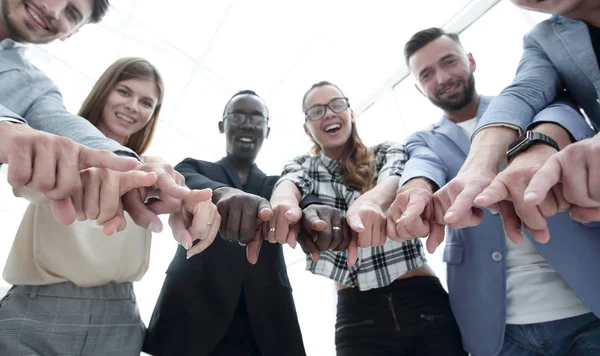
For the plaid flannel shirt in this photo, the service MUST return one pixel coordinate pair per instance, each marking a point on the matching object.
(376, 266)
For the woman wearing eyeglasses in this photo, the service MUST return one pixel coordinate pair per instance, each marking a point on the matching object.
(389, 301)
(217, 302)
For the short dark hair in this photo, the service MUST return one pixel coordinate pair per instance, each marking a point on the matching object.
(99, 10)
(423, 38)
(243, 92)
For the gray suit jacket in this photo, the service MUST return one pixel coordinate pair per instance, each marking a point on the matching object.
(27, 94)
(557, 55)
(477, 281)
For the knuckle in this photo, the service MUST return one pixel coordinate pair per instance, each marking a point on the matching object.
(594, 150)
(43, 185)
(25, 140)
(17, 177)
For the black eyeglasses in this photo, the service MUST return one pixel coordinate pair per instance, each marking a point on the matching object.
(236, 118)
(317, 112)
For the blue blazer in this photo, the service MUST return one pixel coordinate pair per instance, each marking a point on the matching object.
(476, 281)
(557, 55)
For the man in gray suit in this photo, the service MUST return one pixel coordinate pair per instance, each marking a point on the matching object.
(559, 54)
(39, 139)
(502, 292)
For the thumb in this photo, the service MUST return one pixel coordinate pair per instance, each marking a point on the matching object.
(63, 211)
(136, 179)
(116, 223)
(435, 238)
(265, 213)
(196, 197)
(253, 247)
(355, 222)
(312, 221)
(352, 252)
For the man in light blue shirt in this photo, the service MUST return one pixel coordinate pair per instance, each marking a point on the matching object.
(43, 144)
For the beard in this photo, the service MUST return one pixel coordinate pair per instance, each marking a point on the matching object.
(459, 100)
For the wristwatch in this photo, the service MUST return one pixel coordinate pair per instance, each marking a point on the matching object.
(526, 140)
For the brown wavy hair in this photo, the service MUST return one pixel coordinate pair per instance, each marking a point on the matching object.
(124, 69)
(356, 164)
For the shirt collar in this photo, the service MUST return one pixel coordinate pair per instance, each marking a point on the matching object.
(8, 43)
(332, 165)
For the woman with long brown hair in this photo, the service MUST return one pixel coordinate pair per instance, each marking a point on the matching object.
(389, 302)
(73, 285)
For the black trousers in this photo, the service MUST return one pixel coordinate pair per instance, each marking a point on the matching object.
(411, 316)
(239, 339)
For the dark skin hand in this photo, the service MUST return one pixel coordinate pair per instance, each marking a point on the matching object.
(242, 217)
(325, 228)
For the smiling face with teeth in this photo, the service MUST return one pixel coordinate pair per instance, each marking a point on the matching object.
(246, 139)
(444, 73)
(43, 21)
(128, 108)
(333, 131)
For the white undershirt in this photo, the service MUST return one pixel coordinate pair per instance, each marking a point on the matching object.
(535, 292)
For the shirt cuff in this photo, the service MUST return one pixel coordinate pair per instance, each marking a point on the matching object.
(514, 127)
(11, 119)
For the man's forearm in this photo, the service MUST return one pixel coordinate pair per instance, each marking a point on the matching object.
(419, 182)
(489, 146)
(556, 132)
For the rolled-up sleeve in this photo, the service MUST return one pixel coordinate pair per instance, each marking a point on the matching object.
(565, 113)
(390, 158)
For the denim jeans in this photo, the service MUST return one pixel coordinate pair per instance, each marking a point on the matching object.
(411, 316)
(579, 335)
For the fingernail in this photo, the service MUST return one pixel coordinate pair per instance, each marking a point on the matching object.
(531, 196)
(155, 227)
(360, 226)
(188, 257)
(263, 209)
(186, 245)
(289, 212)
(111, 233)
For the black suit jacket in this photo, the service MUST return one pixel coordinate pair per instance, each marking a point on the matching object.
(199, 296)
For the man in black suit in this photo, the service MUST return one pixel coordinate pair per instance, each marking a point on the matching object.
(217, 302)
